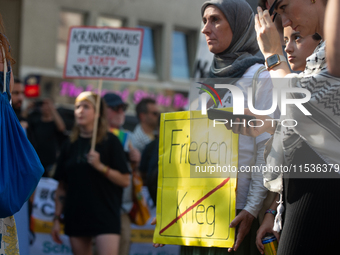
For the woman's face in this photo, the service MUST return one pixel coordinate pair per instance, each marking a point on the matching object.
(84, 113)
(298, 48)
(301, 15)
(217, 30)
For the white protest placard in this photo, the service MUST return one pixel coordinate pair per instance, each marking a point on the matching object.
(103, 53)
(41, 241)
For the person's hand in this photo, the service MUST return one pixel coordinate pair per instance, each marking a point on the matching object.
(30, 107)
(156, 245)
(24, 124)
(256, 128)
(243, 220)
(55, 232)
(268, 37)
(93, 158)
(134, 154)
(266, 227)
(49, 105)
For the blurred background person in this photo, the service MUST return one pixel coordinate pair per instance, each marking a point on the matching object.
(147, 113)
(149, 166)
(18, 96)
(90, 183)
(116, 117)
(46, 129)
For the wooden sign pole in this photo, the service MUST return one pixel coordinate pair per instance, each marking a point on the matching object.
(94, 134)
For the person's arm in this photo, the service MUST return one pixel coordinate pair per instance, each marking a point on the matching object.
(118, 178)
(256, 128)
(134, 156)
(256, 195)
(56, 116)
(332, 36)
(257, 192)
(59, 205)
(144, 163)
(269, 42)
(267, 226)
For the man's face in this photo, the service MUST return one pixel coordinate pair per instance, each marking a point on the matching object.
(152, 115)
(116, 116)
(18, 95)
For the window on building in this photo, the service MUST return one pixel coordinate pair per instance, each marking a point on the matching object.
(109, 22)
(148, 61)
(66, 20)
(180, 60)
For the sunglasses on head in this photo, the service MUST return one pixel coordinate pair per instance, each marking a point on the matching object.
(118, 107)
(271, 10)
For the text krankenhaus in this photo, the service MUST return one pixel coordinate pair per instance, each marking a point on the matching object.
(105, 53)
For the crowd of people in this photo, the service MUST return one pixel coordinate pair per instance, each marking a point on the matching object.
(94, 195)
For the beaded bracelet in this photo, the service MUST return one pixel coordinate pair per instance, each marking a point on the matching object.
(105, 170)
(271, 211)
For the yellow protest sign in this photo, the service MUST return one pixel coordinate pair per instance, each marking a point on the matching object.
(196, 195)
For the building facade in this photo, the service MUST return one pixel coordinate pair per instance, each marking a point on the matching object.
(38, 31)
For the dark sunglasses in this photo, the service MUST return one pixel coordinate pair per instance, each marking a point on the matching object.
(118, 107)
(154, 113)
(271, 10)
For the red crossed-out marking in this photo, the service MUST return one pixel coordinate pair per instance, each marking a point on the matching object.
(195, 204)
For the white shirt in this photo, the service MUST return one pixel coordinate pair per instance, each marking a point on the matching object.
(250, 190)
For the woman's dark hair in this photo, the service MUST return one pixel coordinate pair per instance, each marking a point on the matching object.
(262, 4)
(5, 43)
(316, 37)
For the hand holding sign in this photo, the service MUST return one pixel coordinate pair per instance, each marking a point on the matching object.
(243, 220)
(260, 125)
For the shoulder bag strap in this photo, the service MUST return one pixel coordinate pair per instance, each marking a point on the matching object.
(5, 68)
(255, 78)
(254, 88)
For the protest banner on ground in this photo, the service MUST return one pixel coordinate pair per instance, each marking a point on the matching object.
(103, 53)
(42, 221)
(196, 196)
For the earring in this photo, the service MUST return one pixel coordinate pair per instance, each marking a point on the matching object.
(313, 1)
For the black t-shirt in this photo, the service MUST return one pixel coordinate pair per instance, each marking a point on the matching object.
(44, 137)
(93, 202)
